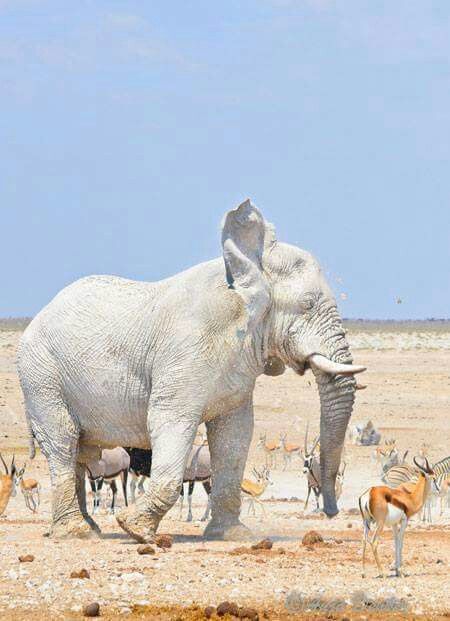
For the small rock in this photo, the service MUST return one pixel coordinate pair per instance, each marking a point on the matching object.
(349, 525)
(248, 613)
(145, 548)
(91, 610)
(439, 561)
(229, 608)
(132, 576)
(264, 544)
(163, 541)
(312, 537)
(26, 558)
(82, 574)
(209, 611)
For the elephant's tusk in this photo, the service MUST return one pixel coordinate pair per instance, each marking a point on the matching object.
(334, 368)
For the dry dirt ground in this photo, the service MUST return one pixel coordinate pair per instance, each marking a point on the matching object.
(407, 396)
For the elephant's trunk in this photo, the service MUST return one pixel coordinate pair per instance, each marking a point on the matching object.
(336, 403)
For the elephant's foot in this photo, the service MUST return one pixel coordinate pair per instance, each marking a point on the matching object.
(227, 532)
(75, 528)
(140, 526)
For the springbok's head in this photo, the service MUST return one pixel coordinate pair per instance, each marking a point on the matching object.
(425, 469)
(10, 473)
(262, 439)
(262, 476)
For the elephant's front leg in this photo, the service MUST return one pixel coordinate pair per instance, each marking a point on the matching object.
(229, 438)
(172, 435)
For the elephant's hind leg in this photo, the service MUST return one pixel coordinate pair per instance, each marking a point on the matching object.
(57, 435)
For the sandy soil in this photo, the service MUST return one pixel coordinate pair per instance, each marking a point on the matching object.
(408, 397)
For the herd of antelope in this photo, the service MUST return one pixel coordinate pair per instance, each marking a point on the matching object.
(407, 489)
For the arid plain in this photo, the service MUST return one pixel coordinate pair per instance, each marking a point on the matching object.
(407, 397)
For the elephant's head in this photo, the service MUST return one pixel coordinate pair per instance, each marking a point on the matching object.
(293, 312)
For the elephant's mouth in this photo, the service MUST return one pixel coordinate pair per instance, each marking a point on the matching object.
(300, 366)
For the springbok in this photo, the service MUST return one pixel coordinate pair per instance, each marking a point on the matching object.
(289, 450)
(388, 506)
(30, 489)
(340, 480)
(7, 484)
(271, 449)
(253, 490)
(405, 474)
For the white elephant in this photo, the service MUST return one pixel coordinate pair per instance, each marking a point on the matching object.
(114, 362)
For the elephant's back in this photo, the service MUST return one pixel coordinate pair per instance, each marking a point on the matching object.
(91, 307)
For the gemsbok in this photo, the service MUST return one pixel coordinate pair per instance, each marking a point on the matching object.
(311, 468)
(30, 489)
(7, 484)
(387, 506)
(198, 470)
(112, 463)
(253, 490)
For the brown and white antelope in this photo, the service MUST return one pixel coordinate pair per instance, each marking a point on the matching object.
(30, 489)
(271, 450)
(388, 506)
(289, 450)
(339, 485)
(253, 490)
(7, 484)
(311, 468)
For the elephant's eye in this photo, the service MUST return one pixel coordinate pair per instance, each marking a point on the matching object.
(308, 303)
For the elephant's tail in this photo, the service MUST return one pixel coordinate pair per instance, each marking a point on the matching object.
(31, 445)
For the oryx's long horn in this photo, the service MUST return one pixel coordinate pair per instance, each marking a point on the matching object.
(316, 442)
(4, 464)
(306, 438)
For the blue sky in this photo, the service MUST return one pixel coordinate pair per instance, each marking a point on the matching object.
(128, 128)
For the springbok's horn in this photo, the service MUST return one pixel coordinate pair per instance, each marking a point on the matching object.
(417, 464)
(322, 363)
(4, 464)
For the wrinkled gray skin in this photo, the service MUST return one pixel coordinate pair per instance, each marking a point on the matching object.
(116, 362)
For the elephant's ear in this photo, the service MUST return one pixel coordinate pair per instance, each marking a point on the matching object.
(245, 237)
